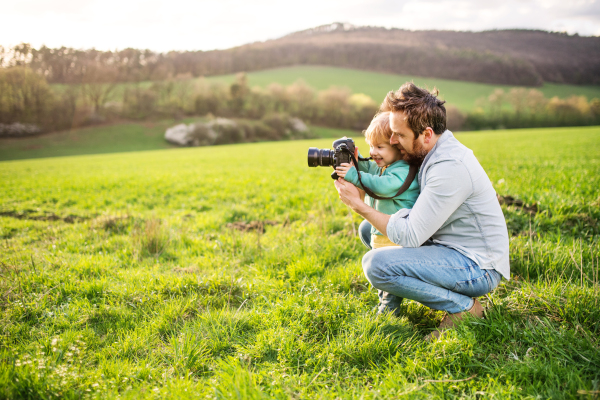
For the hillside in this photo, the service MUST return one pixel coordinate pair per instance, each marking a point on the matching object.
(501, 56)
(511, 57)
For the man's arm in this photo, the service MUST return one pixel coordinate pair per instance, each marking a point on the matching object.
(350, 195)
(446, 189)
(448, 185)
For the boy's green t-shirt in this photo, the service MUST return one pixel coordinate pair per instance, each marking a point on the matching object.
(385, 184)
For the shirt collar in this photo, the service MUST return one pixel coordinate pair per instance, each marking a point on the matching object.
(443, 138)
(446, 135)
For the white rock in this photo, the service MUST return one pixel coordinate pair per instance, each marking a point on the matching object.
(18, 129)
(179, 134)
(298, 125)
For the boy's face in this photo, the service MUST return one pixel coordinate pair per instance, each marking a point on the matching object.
(384, 154)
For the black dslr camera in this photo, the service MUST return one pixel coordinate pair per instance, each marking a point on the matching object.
(343, 151)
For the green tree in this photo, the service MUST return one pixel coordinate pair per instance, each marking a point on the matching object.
(239, 91)
(24, 96)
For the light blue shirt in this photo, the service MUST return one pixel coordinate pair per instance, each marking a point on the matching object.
(457, 208)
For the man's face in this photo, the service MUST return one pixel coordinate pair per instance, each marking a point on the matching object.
(413, 150)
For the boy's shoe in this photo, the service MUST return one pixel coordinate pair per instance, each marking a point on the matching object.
(382, 310)
(451, 320)
(388, 304)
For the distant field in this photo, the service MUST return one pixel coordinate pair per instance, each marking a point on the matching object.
(116, 138)
(234, 272)
(377, 85)
(93, 140)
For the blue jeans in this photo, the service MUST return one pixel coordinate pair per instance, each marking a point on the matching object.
(434, 275)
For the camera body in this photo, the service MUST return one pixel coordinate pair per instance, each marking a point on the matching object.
(342, 152)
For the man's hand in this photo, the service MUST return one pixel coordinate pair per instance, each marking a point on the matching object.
(361, 193)
(342, 170)
(349, 194)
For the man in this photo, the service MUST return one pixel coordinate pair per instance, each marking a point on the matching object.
(454, 240)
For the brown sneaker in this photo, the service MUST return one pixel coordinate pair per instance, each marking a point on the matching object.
(451, 320)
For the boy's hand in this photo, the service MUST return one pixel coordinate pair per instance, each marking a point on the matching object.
(342, 170)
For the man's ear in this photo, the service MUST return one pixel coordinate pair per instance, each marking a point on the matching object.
(428, 134)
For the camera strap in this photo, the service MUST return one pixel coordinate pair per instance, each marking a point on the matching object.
(412, 173)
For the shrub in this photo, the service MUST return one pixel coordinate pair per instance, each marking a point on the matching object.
(455, 119)
(201, 134)
(528, 108)
(362, 110)
(139, 103)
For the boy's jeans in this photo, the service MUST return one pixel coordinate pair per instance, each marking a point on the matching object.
(434, 275)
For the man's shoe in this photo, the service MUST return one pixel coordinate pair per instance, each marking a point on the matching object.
(451, 320)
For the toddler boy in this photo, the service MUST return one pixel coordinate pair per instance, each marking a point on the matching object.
(383, 176)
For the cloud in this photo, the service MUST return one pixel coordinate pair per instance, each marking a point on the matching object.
(181, 25)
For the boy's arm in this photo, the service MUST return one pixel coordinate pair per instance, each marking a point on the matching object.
(386, 185)
(363, 166)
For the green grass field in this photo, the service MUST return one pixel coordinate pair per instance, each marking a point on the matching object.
(234, 272)
(376, 85)
(133, 136)
(113, 138)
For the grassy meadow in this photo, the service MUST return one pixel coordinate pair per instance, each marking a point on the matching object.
(110, 138)
(377, 84)
(235, 272)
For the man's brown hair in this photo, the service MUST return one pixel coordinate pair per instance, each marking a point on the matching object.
(422, 108)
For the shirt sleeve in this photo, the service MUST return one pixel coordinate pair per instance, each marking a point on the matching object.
(363, 166)
(386, 185)
(447, 185)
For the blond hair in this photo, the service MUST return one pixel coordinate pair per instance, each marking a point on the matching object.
(379, 130)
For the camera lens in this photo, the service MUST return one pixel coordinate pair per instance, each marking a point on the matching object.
(326, 157)
(313, 157)
(319, 157)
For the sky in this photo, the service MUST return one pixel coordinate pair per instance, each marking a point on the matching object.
(163, 25)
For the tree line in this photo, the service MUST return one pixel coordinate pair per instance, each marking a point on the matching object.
(27, 98)
(67, 65)
(528, 108)
(28, 105)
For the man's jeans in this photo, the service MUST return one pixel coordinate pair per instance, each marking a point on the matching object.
(434, 275)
